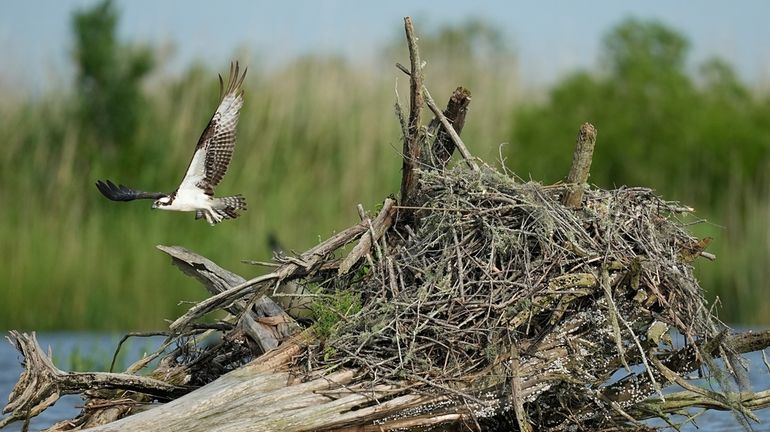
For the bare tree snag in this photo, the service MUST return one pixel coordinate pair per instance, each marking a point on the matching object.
(451, 131)
(581, 165)
(412, 142)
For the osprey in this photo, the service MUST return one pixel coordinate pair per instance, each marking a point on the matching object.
(207, 167)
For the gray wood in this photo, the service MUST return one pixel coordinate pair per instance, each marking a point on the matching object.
(412, 148)
(581, 165)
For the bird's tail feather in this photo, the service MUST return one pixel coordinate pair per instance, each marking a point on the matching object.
(228, 207)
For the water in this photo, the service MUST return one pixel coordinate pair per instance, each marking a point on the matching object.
(94, 352)
(725, 421)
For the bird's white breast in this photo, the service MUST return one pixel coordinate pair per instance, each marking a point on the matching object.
(190, 200)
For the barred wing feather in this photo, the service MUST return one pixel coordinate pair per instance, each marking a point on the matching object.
(215, 146)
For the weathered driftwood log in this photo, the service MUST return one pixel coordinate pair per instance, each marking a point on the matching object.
(265, 395)
(260, 326)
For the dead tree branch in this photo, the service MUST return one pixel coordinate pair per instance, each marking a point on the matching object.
(451, 131)
(218, 280)
(446, 123)
(259, 285)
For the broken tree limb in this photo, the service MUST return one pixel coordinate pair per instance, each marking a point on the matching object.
(381, 223)
(212, 276)
(41, 383)
(220, 300)
(581, 165)
(637, 388)
(451, 131)
(683, 400)
(455, 113)
(258, 285)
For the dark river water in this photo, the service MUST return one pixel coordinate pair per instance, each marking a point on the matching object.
(93, 352)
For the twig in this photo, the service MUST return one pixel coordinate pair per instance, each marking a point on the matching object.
(381, 223)
(125, 338)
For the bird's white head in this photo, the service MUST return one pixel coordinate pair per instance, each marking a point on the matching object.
(162, 202)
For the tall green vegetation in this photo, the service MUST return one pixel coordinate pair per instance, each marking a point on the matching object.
(702, 139)
(109, 77)
(316, 137)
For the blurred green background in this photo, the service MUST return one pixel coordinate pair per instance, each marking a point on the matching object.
(318, 135)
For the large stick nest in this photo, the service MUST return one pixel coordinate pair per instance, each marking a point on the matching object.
(497, 269)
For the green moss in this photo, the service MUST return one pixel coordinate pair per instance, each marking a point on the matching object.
(334, 309)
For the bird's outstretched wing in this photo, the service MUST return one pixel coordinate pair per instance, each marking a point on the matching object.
(215, 146)
(123, 193)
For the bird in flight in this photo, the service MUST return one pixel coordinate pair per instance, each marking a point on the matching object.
(207, 167)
